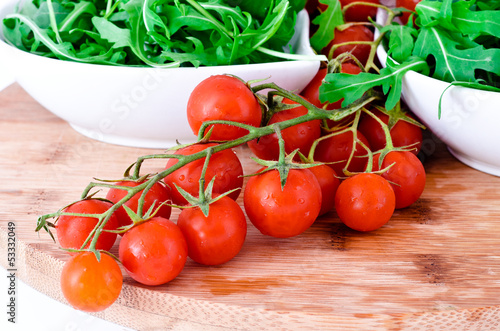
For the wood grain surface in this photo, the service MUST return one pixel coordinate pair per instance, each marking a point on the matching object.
(435, 265)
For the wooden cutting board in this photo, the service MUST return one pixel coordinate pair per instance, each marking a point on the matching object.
(435, 265)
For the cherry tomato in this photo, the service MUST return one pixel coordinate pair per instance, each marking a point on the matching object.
(365, 202)
(338, 148)
(402, 133)
(72, 231)
(90, 285)
(408, 4)
(217, 238)
(154, 252)
(225, 165)
(329, 182)
(311, 91)
(300, 136)
(359, 13)
(407, 176)
(286, 212)
(156, 195)
(353, 33)
(223, 97)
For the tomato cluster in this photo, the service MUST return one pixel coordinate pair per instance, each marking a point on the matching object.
(310, 167)
(153, 249)
(359, 163)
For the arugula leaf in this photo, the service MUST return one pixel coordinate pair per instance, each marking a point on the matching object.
(269, 27)
(243, 20)
(155, 26)
(460, 17)
(453, 62)
(112, 33)
(79, 9)
(63, 51)
(401, 40)
(327, 21)
(196, 55)
(138, 34)
(160, 33)
(352, 87)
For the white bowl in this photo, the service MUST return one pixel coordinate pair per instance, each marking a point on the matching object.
(138, 107)
(469, 123)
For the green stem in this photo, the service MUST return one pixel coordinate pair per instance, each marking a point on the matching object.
(205, 13)
(362, 3)
(313, 113)
(53, 22)
(110, 9)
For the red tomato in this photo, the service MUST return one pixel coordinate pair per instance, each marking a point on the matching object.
(338, 148)
(359, 13)
(402, 133)
(217, 238)
(225, 165)
(223, 97)
(407, 176)
(329, 182)
(156, 195)
(154, 252)
(287, 212)
(351, 34)
(311, 91)
(365, 202)
(90, 285)
(72, 231)
(300, 136)
(408, 4)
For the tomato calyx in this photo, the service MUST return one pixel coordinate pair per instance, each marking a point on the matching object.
(205, 195)
(398, 114)
(285, 162)
(395, 115)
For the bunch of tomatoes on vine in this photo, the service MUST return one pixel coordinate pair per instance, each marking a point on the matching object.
(359, 162)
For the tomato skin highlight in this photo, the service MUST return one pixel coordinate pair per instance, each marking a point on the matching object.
(89, 285)
(406, 176)
(154, 252)
(215, 239)
(365, 202)
(72, 231)
(223, 97)
(300, 136)
(157, 194)
(282, 213)
(224, 164)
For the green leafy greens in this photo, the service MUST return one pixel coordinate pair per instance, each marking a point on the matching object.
(453, 41)
(159, 33)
